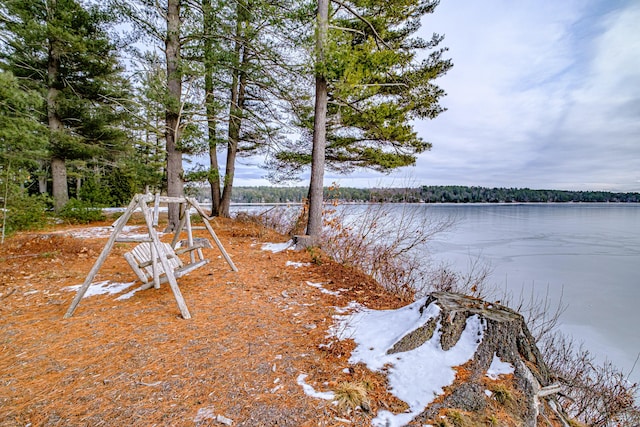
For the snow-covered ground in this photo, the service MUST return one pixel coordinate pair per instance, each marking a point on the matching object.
(295, 264)
(104, 232)
(277, 247)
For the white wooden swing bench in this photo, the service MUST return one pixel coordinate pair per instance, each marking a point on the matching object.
(141, 260)
(153, 261)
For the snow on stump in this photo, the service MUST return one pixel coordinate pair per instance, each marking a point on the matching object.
(452, 354)
(506, 347)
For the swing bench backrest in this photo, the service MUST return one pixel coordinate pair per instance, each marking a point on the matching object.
(141, 261)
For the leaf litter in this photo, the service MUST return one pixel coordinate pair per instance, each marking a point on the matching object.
(134, 361)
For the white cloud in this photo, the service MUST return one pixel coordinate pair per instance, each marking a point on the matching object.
(541, 95)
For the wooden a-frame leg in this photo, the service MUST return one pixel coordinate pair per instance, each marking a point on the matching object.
(181, 223)
(103, 256)
(171, 278)
(213, 234)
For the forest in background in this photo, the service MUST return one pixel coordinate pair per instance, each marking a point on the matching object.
(426, 194)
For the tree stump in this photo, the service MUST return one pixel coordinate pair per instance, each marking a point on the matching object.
(506, 337)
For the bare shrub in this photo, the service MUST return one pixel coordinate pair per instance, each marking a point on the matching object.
(383, 241)
(541, 313)
(598, 395)
(279, 218)
(474, 282)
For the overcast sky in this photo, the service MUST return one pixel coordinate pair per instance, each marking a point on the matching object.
(543, 94)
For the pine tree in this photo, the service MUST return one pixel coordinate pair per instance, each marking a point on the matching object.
(245, 67)
(161, 25)
(211, 57)
(62, 50)
(22, 139)
(375, 87)
(22, 136)
(149, 163)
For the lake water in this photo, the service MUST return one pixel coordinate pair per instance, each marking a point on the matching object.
(586, 254)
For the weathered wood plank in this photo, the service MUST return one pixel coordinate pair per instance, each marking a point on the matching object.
(133, 263)
(156, 210)
(189, 268)
(133, 239)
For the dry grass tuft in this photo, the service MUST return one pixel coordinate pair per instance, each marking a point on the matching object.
(351, 395)
(502, 394)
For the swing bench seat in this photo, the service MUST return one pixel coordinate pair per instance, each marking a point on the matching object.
(140, 260)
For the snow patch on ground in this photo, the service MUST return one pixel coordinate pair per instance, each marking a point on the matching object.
(310, 391)
(101, 288)
(129, 294)
(297, 264)
(416, 376)
(277, 247)
(101, 232)
(209, 414)
(322, 289)
(498, 367)
(205, 414)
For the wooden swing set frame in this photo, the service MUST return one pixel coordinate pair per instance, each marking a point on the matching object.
(153, 261)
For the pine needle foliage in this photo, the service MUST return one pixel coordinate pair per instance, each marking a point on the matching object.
(378, 84)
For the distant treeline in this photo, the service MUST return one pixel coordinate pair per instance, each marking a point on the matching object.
(428, 194)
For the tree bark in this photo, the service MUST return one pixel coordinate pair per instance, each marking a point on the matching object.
(239, 83)
(172, 113)
(314, 225)
(56, 127)
(209, 65)
(59, 183)
(214, 170)
(42, 177)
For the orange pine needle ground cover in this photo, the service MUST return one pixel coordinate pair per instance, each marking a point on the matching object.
(136, 362)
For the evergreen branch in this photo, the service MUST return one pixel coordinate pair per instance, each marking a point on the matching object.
(146, 25)
(364, 20)
(335, 27)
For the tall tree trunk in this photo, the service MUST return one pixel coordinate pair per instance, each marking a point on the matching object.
(79, 186)
(314, 226)
(172, 114)
(235, 125)
(59, 183)
(56, 128)
(42, 177)
(209, 65)
(214, 169)
(239, 82)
